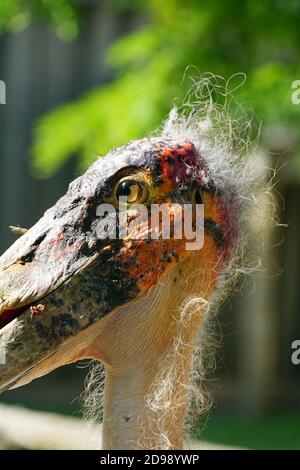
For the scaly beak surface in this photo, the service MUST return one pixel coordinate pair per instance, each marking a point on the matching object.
(59, 278)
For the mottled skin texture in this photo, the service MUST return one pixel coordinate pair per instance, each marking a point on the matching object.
(59, 280)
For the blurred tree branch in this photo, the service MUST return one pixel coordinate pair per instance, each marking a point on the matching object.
(16, 15)
(258, 38)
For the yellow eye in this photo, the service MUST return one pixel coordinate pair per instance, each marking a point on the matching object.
(135, 190)
(197, 197)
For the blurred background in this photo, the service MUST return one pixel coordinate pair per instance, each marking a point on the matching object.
(83, 76)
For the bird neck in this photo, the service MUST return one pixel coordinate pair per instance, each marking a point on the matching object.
(146, 390)
(149, 349)
(142, 411)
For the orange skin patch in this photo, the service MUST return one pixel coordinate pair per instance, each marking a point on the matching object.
(211, 207)
(153, 259)
(151, 264)
(150, 259)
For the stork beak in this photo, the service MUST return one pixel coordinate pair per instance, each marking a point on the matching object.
(62, 277)
(59, 278)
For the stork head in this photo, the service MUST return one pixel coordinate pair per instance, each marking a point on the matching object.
(63, 284)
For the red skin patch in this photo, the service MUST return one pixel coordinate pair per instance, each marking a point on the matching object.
(179, 162)
(182, 163)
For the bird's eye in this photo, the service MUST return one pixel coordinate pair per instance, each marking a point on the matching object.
(134, 190)
(197, 197)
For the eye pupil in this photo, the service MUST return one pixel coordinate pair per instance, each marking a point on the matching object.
(197, 197)
(130, 189)
(124, 189)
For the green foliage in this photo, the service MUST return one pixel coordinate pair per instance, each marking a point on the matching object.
(251, 36)
(278, 432)
(15, 15)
